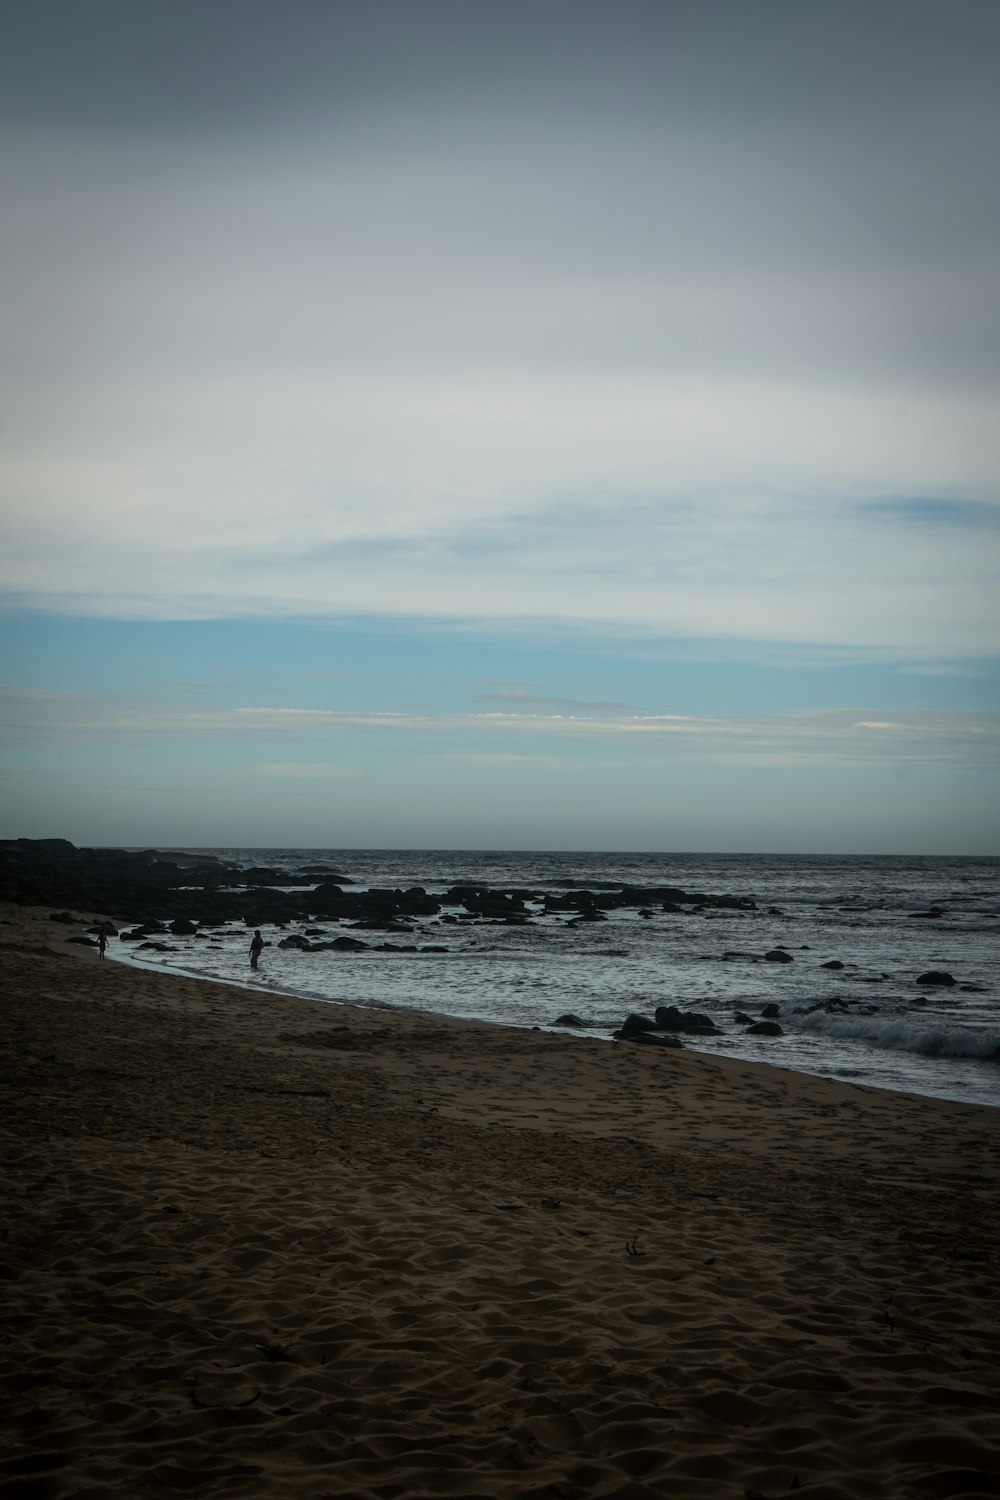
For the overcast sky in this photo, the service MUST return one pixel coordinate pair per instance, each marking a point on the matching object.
(628, 371)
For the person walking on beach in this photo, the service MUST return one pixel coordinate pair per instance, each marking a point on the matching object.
(102, 943)
(256, 948)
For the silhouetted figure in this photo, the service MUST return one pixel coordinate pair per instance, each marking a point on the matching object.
(256, 948)
(102, 943)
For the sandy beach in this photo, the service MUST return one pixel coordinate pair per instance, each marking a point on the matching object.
(267, 1247)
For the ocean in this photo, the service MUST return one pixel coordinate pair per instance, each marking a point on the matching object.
(886, 920)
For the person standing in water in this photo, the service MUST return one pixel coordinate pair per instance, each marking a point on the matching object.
(102, 943)
(256, 948)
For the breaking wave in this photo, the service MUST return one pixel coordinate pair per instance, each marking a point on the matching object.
(905, 1035)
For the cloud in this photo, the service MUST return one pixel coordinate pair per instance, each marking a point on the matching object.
(669, 508)
(517, 700)
(819, 735)
(937, 511)
(303, 770)
(939, 669)
(377, 312)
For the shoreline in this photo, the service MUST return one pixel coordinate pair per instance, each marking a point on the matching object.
(129, 960)
(872, 1024)
(292, 1247)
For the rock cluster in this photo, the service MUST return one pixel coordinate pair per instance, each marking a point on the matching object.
(147, 884)
(669, 1024)
(202, 890)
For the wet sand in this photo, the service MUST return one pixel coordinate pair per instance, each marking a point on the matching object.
(266, 1247)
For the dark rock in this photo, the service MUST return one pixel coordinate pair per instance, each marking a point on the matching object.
(771, 1012)
(632, 895)
(568, 1020)
(62, 916)
(937, 977)
(778, 956)
(297, 941)
(263, 875)
(415, 902)
(669, 1018)
(742, 1019)
(183, 927)
(655, 1039)
(326, 891)
(633, 1024)
(834, 963)
(85, 942)
(380, 924)
(265, 913)
(765, 1028)
(434, 948)
(352, 945)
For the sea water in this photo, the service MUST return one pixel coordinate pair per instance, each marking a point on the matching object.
(869, 1022)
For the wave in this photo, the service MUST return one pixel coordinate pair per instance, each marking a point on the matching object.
(901, 1035)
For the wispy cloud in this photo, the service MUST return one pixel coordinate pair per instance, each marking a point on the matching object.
(303, 770)
(532, 701)
(671, 507)
(937, 512)
(820, 735)
(939, 669)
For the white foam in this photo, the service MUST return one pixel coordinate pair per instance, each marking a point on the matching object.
(906, 1035)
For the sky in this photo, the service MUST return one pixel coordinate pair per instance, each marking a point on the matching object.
(453, 424)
